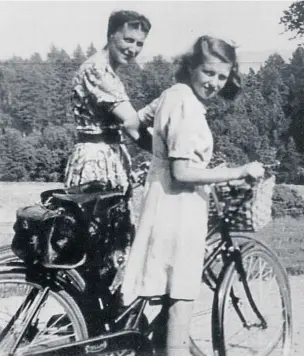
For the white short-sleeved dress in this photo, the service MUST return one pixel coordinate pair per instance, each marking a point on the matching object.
(168, 251)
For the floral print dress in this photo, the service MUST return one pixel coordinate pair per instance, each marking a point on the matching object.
(97, 90)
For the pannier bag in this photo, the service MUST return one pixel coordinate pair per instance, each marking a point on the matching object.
(53, 238)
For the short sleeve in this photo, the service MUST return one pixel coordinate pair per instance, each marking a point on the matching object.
(182, 131)
(104, 85)
(147, 114)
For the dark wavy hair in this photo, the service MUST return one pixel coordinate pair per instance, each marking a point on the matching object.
(135, 20)
(203, 47)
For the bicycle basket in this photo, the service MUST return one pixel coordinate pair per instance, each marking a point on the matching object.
(53, 238)
(251, 215)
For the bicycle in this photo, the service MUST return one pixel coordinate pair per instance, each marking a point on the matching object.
(241, 275)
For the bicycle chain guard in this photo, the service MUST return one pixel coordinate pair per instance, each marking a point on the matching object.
(124, 342)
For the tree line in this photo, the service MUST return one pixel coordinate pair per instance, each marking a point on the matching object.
(37, 131)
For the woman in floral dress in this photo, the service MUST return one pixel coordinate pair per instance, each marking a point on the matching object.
(102, 108)
(102, 111)
(167, 255)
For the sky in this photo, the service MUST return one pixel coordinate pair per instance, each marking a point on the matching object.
(33, 26)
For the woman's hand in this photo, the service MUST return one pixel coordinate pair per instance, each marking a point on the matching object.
(254, 170)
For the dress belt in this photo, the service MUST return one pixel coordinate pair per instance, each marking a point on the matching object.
(108, 137)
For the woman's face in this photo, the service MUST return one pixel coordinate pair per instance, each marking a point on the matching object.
(209, 78)
(125, 44)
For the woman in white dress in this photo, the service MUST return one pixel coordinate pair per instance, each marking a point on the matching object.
(167, 255)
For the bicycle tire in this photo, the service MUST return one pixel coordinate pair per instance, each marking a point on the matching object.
(7, 255)
(280, 345)
(60, 326)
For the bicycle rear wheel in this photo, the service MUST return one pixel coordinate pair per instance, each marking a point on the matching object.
(7, 255)
(58, 320)
(269, 287)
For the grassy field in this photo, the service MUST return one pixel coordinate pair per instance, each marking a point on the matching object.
(285, 235)
(16, 195)
(298, 188)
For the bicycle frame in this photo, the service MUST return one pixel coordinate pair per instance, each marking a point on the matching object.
(230, 254)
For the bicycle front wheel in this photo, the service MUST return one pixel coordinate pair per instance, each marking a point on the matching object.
(241, 331)
(57, 321)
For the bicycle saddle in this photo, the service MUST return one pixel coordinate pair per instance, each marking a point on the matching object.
(83, 193)
(87, 197)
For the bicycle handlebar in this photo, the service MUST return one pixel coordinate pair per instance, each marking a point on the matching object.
(241, 183)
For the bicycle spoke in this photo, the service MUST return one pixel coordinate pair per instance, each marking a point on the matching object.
(202, 313)
(201, 321)
(35, 327)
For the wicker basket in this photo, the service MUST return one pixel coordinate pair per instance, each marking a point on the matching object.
(252, 214)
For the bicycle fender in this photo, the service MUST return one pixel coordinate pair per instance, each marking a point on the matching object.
(16, 267)
(216, 317)
(69, 280)
(251, 243)
(219, 296)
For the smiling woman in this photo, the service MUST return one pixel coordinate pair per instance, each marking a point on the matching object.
(125, 45)
(211, 67)
(126, 37)
(102, 110)
(167, 255)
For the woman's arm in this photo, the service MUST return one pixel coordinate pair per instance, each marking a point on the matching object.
(129, 117)
(103, 88)
(185, 173)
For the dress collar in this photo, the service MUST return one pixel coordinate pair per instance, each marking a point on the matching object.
(104, 56)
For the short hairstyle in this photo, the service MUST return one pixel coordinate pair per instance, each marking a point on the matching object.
(135, 20)
(205, 46)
